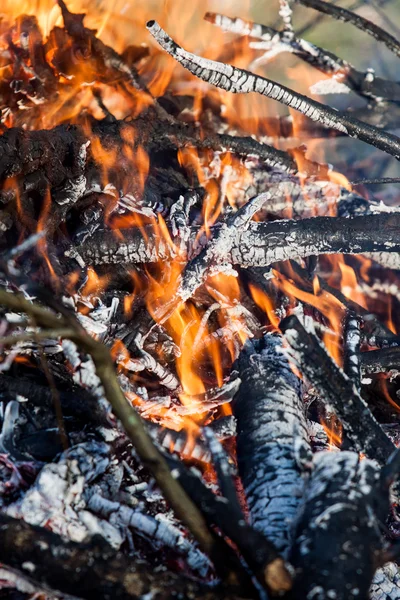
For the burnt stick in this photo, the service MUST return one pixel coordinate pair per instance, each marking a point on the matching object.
(337, 390)
(374, 332)
(351, 355)
(365, 84)
(259, 553)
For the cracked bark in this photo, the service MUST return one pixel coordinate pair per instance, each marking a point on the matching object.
(258, 245)
(341, 495)
(365, 84)
(270, 427)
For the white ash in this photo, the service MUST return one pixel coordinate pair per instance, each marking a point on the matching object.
(329, 86)
(386, 583)
(55, 499)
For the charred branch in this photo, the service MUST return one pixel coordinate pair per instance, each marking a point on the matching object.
(352, 342)
(273, 42)
(347, 16)
(255, 245)
(373, 332)
(232, 79)
(337, 390)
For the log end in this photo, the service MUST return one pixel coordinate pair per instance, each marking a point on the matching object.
(277, 576)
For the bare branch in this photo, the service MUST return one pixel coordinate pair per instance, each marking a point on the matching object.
(233, 79)
(347, 16)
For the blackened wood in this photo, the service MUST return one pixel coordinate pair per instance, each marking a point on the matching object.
(270, 425)
(380, 361)
(24, 152)
(259, 553)
(77, 402)
(338, 538)
(261, 244)
(337, 390)
(91, 571)
(351, 342)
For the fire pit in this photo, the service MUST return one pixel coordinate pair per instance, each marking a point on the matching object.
(199, 357)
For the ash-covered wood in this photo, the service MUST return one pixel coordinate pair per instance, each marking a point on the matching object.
(261, 244)
(341, 496)
(192, 222)
(93, 570)
(272, 438)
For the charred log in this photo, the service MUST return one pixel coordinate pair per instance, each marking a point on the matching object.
(271, 432)
(261, 244)
(341, 496)
(380, 361)
(93, 570)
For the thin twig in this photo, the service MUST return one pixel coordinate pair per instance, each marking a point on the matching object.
(347, 16)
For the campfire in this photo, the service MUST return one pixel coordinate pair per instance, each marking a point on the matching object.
(199, 348)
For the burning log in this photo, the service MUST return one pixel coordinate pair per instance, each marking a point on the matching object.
(173, 192)
(272, 438)
(260, 244)
(337, 390)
